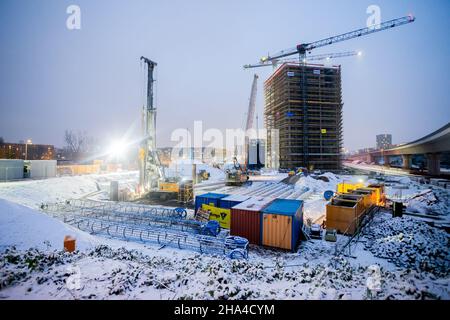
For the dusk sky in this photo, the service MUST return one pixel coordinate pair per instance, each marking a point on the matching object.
(53, 78)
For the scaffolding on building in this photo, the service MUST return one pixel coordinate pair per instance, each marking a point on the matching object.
(303, 104)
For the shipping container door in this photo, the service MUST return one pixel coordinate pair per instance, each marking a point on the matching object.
(277, 231)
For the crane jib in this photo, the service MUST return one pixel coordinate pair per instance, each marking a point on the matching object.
(304, 47)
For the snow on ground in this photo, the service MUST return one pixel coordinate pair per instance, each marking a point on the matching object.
(23, 228)
(33, 193)
(410, 243)
(106, 273)
(38, 269)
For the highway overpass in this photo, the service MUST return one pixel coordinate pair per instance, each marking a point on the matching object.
(432, 146)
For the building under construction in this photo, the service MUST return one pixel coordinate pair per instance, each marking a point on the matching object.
(304, 103)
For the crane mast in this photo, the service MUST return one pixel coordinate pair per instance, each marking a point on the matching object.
(250, 117)
(150, 171)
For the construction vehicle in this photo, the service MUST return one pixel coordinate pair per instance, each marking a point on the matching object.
(203, 175)
(152, 180)
(149, 166)
(236, 176)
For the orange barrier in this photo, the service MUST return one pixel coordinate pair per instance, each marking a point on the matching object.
(69, 244)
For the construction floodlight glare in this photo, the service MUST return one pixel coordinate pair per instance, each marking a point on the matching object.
(359, 53)
(117, 148)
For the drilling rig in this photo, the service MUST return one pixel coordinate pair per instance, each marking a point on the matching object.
(150, 171)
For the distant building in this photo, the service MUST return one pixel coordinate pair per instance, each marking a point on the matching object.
(384, 141)
(27, 151)
(365, 150)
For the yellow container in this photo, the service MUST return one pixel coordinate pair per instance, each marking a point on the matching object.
(353, 197)
(79, 169)
(169, 186)
(369, 197)
(343, 215)
(219, 214)
(345, 187)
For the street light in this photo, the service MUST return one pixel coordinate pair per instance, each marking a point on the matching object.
(26, 148)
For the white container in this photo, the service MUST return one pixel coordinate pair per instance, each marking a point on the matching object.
(40, 169)
(11, 169)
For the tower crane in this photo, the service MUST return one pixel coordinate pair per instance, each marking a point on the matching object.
(149, 166)
(303, 48)
(317, 57)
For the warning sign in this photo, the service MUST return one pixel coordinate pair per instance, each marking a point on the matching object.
(219, 214)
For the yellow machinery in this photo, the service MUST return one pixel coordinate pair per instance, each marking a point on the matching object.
(345, 187)
(169, 186)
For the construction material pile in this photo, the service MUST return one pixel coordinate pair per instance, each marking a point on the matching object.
(410, 243)
(429, 201)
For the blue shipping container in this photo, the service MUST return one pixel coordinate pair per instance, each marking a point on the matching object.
(281, 224)
(208, 198)
(231, 201)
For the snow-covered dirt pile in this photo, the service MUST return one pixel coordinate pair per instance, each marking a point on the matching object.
(25, 228)
(183, 168)
(410, 243)
(430, 201)
(326, 181)
(315, 204)
(104, 273)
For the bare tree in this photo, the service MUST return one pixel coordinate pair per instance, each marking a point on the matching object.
(78, 143)
(2, 140)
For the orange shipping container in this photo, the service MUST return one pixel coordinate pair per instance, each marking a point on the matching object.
(282, 222)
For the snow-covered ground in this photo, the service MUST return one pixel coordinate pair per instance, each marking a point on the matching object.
(33, 193)
(402, 258)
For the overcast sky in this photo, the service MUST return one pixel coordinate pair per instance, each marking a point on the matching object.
(53, 78)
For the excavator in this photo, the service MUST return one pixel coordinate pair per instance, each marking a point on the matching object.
(236, 175)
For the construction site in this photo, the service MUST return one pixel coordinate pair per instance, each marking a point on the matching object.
(283, 217)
